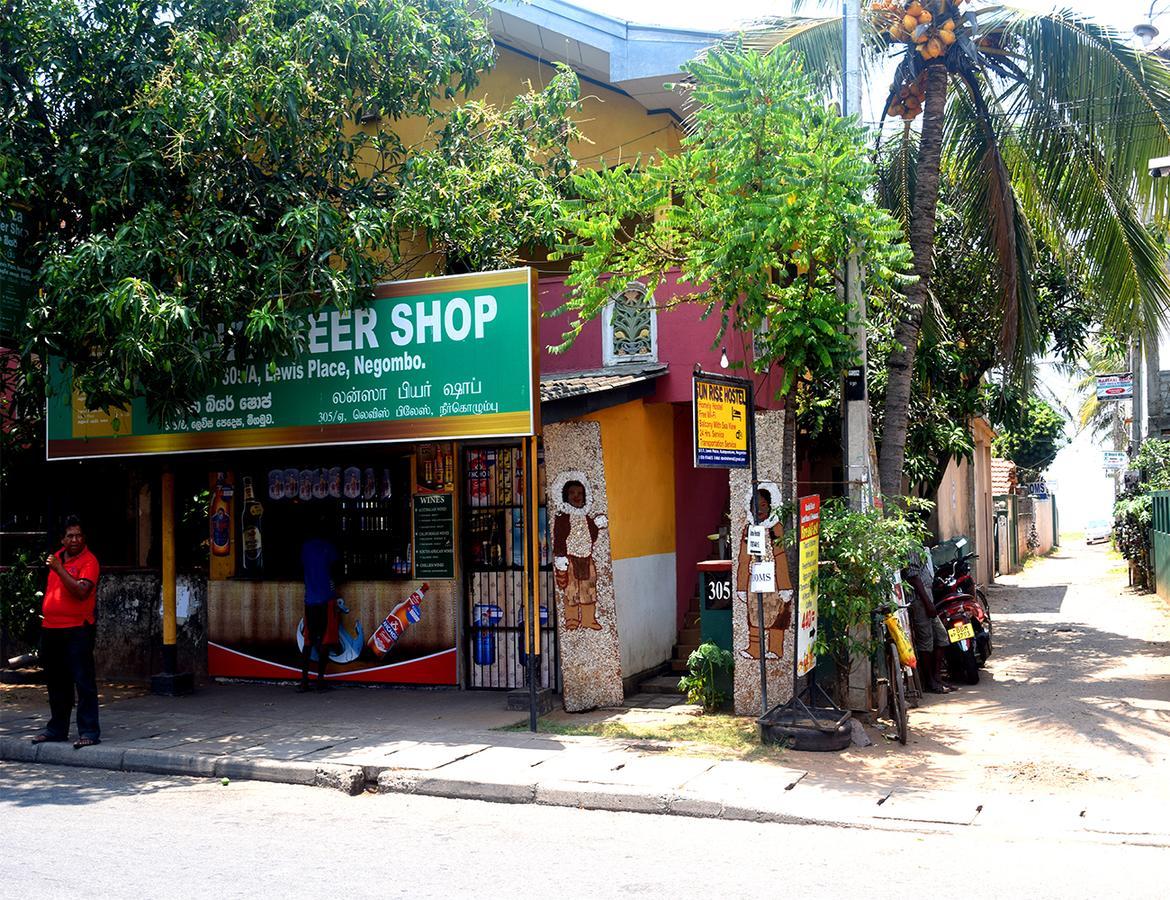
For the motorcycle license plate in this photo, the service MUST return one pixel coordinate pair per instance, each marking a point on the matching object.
(963, 632)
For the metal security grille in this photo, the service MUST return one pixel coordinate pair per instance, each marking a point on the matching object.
(493, 560)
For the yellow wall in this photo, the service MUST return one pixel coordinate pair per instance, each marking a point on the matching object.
(612, 125)
(637, 447)
(614, 128)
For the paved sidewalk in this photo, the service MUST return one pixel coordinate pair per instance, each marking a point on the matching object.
(447, 744)
(1067, 731)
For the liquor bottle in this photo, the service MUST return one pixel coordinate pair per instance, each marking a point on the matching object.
(250, 537)
(221, 519)
(401, 617)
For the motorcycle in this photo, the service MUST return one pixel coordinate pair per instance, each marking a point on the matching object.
(966, 583)
(967, 622)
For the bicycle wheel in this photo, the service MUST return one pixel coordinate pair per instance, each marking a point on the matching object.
(897, 694)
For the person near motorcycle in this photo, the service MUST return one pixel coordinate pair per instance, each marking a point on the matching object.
(930, 636)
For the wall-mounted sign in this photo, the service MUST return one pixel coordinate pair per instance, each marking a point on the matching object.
(810, 557)
(434, 536)
(1115, 387)
(722, 420)
(1114, 459)
(432, 358)
(756, 539)
(764, 577)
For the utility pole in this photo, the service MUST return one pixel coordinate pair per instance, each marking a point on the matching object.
(854, 394)
(1137, 429)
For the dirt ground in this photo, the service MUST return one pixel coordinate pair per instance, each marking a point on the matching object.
(1075, 698)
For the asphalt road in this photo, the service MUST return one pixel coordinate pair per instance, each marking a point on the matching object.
(67, 832)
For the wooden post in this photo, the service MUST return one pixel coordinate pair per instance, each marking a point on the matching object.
(170, 627)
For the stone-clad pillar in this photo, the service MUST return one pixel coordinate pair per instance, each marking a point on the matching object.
(775, 642)
(590, 655)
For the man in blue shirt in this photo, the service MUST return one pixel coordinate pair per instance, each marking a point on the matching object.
(318, 557)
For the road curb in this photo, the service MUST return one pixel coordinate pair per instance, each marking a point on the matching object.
(348, 779)
(354, 779)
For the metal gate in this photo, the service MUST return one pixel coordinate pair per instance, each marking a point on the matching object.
(493, 563)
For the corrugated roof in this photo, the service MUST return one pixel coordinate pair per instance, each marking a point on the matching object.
(563, 385)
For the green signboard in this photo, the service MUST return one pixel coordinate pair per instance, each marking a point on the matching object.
(430, 358)
(15, 275)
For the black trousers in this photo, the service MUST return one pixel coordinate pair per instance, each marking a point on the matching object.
(67, 658)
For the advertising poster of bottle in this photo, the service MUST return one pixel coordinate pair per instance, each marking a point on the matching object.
(379, 633)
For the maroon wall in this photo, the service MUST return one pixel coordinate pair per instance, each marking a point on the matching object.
(684, 339)
(700, 501)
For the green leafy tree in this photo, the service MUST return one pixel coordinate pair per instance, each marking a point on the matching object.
(204, 173)
(1045, 122)
(1133, 511)
(1032, 437)
(767, 195)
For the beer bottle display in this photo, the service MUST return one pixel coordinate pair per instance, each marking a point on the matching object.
(252, 558)
(221, 519)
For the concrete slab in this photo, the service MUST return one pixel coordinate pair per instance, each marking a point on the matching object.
(582, 763)
(1129, 816)
(652, 773)
(292, 743)
(735, 780)
(940, 807)
(1022, 814)
(498, 764)
(426, 756)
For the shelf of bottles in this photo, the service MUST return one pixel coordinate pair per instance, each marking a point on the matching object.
(364, 509)
(493, 554)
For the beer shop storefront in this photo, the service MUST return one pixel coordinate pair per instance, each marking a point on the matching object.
(404, 436)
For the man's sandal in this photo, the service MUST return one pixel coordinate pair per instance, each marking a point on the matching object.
(48, 739)
(85, 742)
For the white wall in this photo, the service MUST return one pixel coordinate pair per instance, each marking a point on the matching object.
(644, 596)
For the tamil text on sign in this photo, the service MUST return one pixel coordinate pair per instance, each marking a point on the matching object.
(429, 358)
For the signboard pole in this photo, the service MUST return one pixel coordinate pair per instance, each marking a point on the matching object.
(532, 576)
(751, 430)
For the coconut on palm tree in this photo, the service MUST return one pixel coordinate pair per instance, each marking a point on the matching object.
(1044, 122)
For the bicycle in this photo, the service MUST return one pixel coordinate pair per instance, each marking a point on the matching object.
(895, 688)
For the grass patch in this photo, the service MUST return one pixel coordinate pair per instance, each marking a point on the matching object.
(728, 737)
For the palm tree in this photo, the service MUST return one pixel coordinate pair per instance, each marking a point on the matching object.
(1045, 123)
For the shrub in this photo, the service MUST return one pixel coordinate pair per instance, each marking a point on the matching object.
(709, 667)
(860, 551)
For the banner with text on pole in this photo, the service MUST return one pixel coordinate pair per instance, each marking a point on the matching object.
(430, 358)
(807, 591)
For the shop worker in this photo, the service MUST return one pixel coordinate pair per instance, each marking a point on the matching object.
(67, 636)
(318, 558)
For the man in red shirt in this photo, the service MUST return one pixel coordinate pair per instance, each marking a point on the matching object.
(67, 636)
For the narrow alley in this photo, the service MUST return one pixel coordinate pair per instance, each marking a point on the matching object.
(1074, 702)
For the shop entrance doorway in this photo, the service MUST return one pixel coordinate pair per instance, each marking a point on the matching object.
(493, 565)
